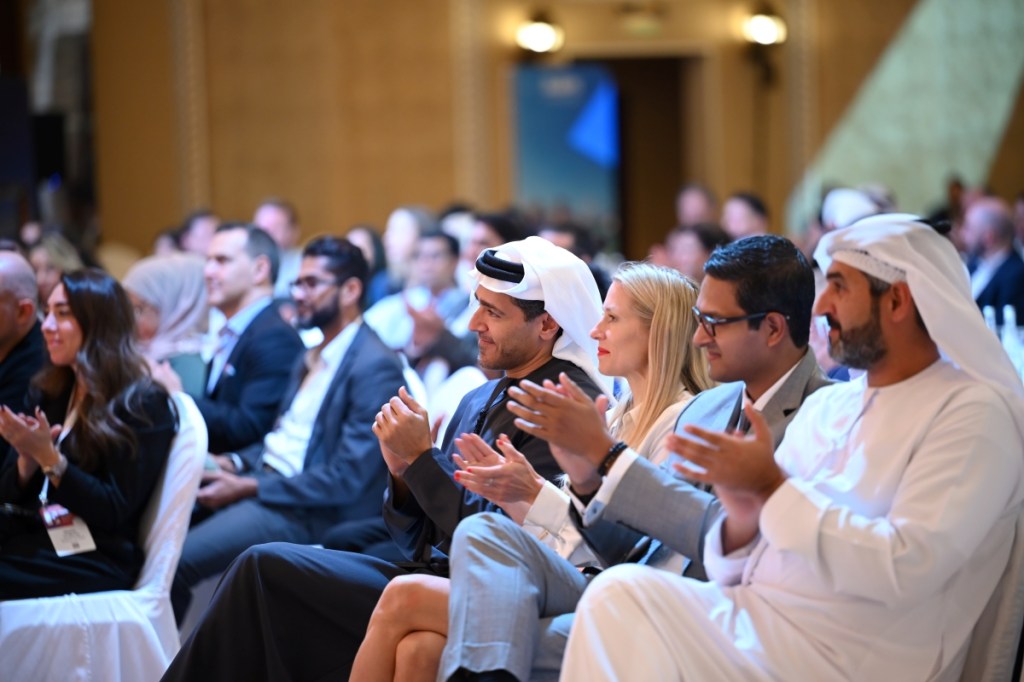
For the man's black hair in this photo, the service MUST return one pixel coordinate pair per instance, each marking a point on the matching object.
(344, 259)
(770, 275)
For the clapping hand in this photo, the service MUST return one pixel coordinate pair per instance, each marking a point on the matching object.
(741, 467)
(32, 438)
(505, 478)
(572, 424)
(403, 428)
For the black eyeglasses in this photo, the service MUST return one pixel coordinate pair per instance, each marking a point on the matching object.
(310, 283)
(709, 323)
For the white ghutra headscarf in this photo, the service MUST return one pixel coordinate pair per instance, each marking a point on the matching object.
(896, 247)
(534, 269)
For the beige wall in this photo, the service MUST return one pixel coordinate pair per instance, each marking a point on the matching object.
(351, 107)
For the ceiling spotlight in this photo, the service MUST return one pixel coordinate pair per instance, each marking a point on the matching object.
(765, 28)
(539, 34)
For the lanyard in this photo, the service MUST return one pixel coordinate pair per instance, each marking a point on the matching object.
(44, 493)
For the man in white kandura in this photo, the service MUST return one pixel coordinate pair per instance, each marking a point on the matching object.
(868, 546)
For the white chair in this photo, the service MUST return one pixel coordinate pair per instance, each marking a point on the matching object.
(992, 652)
(120, 634)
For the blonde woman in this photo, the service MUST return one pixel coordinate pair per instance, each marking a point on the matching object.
(645, 336)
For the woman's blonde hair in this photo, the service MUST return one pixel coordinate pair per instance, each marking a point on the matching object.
(662, 297)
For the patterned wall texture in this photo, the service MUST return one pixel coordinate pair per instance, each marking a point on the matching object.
(937, 103)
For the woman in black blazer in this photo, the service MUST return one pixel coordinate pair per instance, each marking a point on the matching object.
(111, 432)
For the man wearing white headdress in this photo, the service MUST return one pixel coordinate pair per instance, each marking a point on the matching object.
(869, 545)
(537, 304)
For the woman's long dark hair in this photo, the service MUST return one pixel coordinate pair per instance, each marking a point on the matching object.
(115, 377)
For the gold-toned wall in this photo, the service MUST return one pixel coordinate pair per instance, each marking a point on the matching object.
(352, 107)
(137, 159)
(341, 107)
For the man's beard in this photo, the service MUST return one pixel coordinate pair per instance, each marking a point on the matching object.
(859, 347)
(320, 317)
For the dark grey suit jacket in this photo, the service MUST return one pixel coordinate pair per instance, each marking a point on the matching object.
(652, 501)
(343, 475)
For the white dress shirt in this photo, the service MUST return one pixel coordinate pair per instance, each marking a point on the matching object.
(284, 448)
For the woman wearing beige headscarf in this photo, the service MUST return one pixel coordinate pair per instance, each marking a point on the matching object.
(169, 297)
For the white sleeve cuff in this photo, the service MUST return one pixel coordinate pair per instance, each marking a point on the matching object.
(725, 570)
(550, 510)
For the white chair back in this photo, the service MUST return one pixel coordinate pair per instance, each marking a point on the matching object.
(120, 634)
(166, 519)
(992, 652)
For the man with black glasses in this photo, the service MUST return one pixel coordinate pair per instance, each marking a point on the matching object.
(320, 465)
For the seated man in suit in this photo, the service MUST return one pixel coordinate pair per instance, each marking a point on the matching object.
(997, 270)
(256, 349)
(754, 310)
(321, 464)
(21, 339)
(291, 612)
(868, 544)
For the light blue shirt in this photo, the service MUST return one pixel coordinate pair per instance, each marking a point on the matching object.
(228, 339)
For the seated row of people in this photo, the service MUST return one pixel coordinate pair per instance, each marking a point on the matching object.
(889, 500)
(763, 367)
(823, 520)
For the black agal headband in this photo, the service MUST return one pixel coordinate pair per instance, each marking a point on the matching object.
(498, 268)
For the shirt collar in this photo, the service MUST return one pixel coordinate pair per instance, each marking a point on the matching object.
(244, 317)
(331, 354)
(770, 393)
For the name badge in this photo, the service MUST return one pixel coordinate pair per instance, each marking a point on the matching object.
(68, 533)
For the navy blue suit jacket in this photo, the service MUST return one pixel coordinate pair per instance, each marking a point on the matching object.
(1005, 288)
(243, 404)
(343, 474)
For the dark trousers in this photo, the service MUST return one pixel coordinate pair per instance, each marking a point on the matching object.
(285, 612)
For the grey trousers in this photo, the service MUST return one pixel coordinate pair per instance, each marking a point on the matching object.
(512, 601)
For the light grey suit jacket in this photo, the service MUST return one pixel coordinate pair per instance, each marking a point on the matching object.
(650, 500)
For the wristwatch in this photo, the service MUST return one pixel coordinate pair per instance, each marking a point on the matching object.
(57, 469)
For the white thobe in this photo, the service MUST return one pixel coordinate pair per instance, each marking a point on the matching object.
(875, 558)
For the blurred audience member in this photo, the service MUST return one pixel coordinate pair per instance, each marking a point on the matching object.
(578, 240)
(169, 297)
(1018, 221)
(51, 257)
(997, 270)
(281, 221)
(30, 233)
(197, 230)
(744, 215)
(434, 262)
(166, 242)
(404, 226)
(843, 206)
(21, 340)
(696, 204)
(368, 241)
(689, 246)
